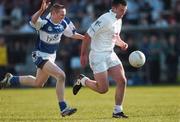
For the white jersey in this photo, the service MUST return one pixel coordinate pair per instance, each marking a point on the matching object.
(50, 34)
(102, 31)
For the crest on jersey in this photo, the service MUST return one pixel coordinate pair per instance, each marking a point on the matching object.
(50, 28)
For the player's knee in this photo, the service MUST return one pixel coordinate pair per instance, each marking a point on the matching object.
(103, 90)
(123, 81)
(39, 85)
(61, 77)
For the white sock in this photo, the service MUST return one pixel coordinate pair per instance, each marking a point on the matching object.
(83, 80)
(117, 109)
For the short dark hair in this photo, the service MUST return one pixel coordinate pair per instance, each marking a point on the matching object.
(116, 2)
(57, 6)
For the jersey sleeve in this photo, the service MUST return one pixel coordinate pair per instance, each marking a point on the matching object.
(39, 24)
(70, 28)
(97, 26)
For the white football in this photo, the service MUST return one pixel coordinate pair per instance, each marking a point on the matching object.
(137, 59)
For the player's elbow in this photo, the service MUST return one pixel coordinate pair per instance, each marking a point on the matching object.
(87, 38)
(32, 21)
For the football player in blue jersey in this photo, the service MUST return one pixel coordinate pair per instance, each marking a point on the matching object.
(50, 30)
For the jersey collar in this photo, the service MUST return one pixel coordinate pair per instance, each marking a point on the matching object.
(53, 22)
(112, 13)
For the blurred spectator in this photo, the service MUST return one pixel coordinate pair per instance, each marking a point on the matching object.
(133, 12)
(16, 15)
(161, 22)
(2, 8)
(87, 20)
(171, 53)
(3, 52)
(4, 65)
(172, 19)
(143, 22)
(26, 28)
(144, 47)
(140, 12)
(145, 14)
(1, 11)
(154, 59)
(6, 25)
(157, 8)
(168, 4)
(3, 57)
(177, 11)
(17, 52)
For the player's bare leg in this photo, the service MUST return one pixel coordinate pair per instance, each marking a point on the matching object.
(38, 81)
(49, 68)
(118, 74)
(27, 80)
(53, 70)
(100, 84)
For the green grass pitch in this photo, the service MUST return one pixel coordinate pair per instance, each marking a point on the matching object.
(142, 104)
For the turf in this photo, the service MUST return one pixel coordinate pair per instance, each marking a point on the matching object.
(142, 104)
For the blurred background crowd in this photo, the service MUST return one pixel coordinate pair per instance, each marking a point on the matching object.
(151, 26)
(161, 13)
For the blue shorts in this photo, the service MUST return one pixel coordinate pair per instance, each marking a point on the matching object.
(40, 58)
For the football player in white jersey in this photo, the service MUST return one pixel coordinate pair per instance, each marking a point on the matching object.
(102, 36)
(50, 31)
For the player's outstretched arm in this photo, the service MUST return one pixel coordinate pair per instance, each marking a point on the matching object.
(85, 50)
(44, 6)
(78, 36)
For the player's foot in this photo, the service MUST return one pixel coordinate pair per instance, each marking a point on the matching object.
(77, 86)
(5, 82)
(68, 111)
(119, 115)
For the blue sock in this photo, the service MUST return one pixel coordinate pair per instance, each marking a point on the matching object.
(62, 105)
(14, 81)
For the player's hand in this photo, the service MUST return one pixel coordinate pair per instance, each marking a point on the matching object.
(84, 60)
(124, 46)
(44, 5)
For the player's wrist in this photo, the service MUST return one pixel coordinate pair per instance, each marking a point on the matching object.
(41, 11)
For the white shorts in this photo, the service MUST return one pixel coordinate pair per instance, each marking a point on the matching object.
(39, 57)
(100, 62)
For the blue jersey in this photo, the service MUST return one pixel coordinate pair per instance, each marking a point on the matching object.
(50, 34)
